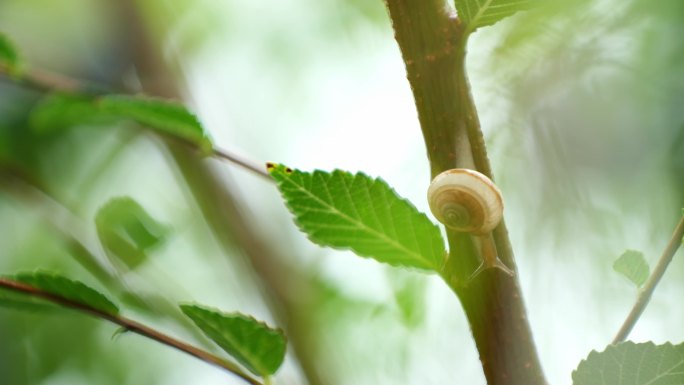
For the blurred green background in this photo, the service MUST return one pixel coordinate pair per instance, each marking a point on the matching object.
(581, 104)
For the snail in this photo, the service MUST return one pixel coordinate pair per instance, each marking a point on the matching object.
(468, 201)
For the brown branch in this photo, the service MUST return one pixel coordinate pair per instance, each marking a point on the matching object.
(71, 231)
(130, 325)
(211, 193)
(433, 46)
(650, 285)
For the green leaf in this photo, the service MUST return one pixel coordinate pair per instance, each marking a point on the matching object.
(409, 294)
(357, 212)
(18, 301)
(127, 231)
(629, 363)
(164, 116)
(633, 266)
(9, 56)
(258, 347)
(57, 112)
(63, 287)
(481, 13)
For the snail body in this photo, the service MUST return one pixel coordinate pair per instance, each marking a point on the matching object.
(468, 201)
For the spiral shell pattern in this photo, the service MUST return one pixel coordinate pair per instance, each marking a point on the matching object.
(466, 201)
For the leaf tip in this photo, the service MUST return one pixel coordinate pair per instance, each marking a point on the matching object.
(272, 168)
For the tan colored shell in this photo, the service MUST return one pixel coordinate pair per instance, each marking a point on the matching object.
(466, 201)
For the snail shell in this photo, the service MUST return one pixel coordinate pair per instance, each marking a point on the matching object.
(466, 201)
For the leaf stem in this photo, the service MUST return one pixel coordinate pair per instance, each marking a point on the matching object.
(49, 82)
(243, 162)
(650, 285)
(132, 326)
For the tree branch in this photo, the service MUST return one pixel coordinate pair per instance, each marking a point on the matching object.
(130, 325)
(650, 285)
(221, 209)
(433, 46)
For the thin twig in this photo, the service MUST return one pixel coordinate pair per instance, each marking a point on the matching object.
(648, 289)
(132, 326)
(242, 162)
(49, 81)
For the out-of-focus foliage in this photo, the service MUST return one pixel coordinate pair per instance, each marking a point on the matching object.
(127, 231)
(9, 57)
(12, 300)
(591, 121)
(68, 289)
(632, 265)
(162, 115)
(61, 111)
(579, 100)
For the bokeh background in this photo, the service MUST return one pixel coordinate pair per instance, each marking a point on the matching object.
(581, 104)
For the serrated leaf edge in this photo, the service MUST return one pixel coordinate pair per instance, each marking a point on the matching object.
(427, 261)
(632, 343)
(216, 311)
(473, 24)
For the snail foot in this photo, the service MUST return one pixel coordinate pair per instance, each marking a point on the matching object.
(496, 265)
